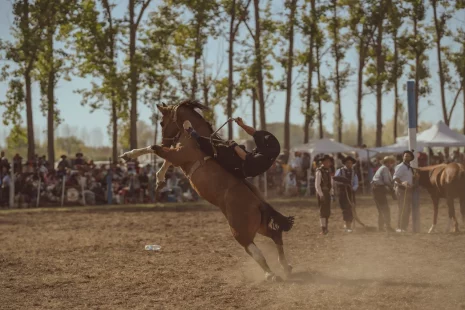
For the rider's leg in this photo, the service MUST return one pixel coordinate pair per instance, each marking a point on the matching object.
(203, 143)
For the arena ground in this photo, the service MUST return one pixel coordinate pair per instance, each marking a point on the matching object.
(94, 258)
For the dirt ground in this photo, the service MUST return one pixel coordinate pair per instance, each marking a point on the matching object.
(94, 258)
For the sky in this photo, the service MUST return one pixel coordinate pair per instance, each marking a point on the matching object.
(95, 124)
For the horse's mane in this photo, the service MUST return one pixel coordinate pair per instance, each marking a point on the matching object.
(193, 104)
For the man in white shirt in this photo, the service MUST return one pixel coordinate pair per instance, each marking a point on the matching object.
(324, 188)
(382, 184)
(403, 180)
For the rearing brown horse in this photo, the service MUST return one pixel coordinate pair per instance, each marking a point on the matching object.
(241, 203)
(445, 181)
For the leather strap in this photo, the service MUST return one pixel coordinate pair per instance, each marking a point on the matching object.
(196, 166)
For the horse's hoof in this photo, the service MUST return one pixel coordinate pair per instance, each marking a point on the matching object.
(288, 270)
(432, 230)
(272, 277)
(125, 157)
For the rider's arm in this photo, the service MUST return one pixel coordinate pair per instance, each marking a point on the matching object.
(240, 152)
(250, 130)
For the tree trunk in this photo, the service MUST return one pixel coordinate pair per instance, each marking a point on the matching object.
(417, 74)
(320, 115)
(231, 69)
(396, 88)
(114, 123)
(197, 55)
(51, 99)
(258, 55)
(308, 102)
(463, 92)
(254, 108)
(133, 76)
(441, 73)
(361, 65)
(311, 68)
(379, 82)
(338, 111)
(27, 81)
(30, 122)
(290, 64)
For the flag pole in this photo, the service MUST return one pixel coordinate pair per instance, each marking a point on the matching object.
(412, 138)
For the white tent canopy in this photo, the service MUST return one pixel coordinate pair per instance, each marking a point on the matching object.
(439, 135)
(398, 147)
(324, 146)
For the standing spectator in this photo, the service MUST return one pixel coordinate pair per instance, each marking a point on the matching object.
(441, 158)
(325, 190)
(4, 161)
(290, 184)
(306, 165)
(381, 185)
(172, 184)
(403, 178)
(18, 163)
(347, 190)
(457, 157)
(5, 186)
(296, 163)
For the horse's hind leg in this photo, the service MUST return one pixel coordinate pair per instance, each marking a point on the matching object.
(257, 255)
(452, 217)
(435, 215)
(277, 237)
(462, 208)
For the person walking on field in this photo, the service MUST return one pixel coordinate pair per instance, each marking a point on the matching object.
(403, 179)
(346, 190)
(324, 188)
(382, 184)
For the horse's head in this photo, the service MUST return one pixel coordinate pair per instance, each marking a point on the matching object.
(170, 124)
(173, 117)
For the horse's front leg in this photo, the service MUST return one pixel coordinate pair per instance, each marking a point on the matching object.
(136, 153)
(161, 175)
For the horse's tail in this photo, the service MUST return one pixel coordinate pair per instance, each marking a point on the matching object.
(276, 219)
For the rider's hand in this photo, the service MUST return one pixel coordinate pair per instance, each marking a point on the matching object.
(239, 121)
(405, 184)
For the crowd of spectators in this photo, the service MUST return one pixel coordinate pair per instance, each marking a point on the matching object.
(88, 183)
(81, 181)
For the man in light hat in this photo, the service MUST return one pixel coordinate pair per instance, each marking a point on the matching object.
(403, 180)
(324, 188)
(382, 184)
(347, 184)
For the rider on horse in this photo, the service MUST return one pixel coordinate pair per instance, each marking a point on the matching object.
(235, 158)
